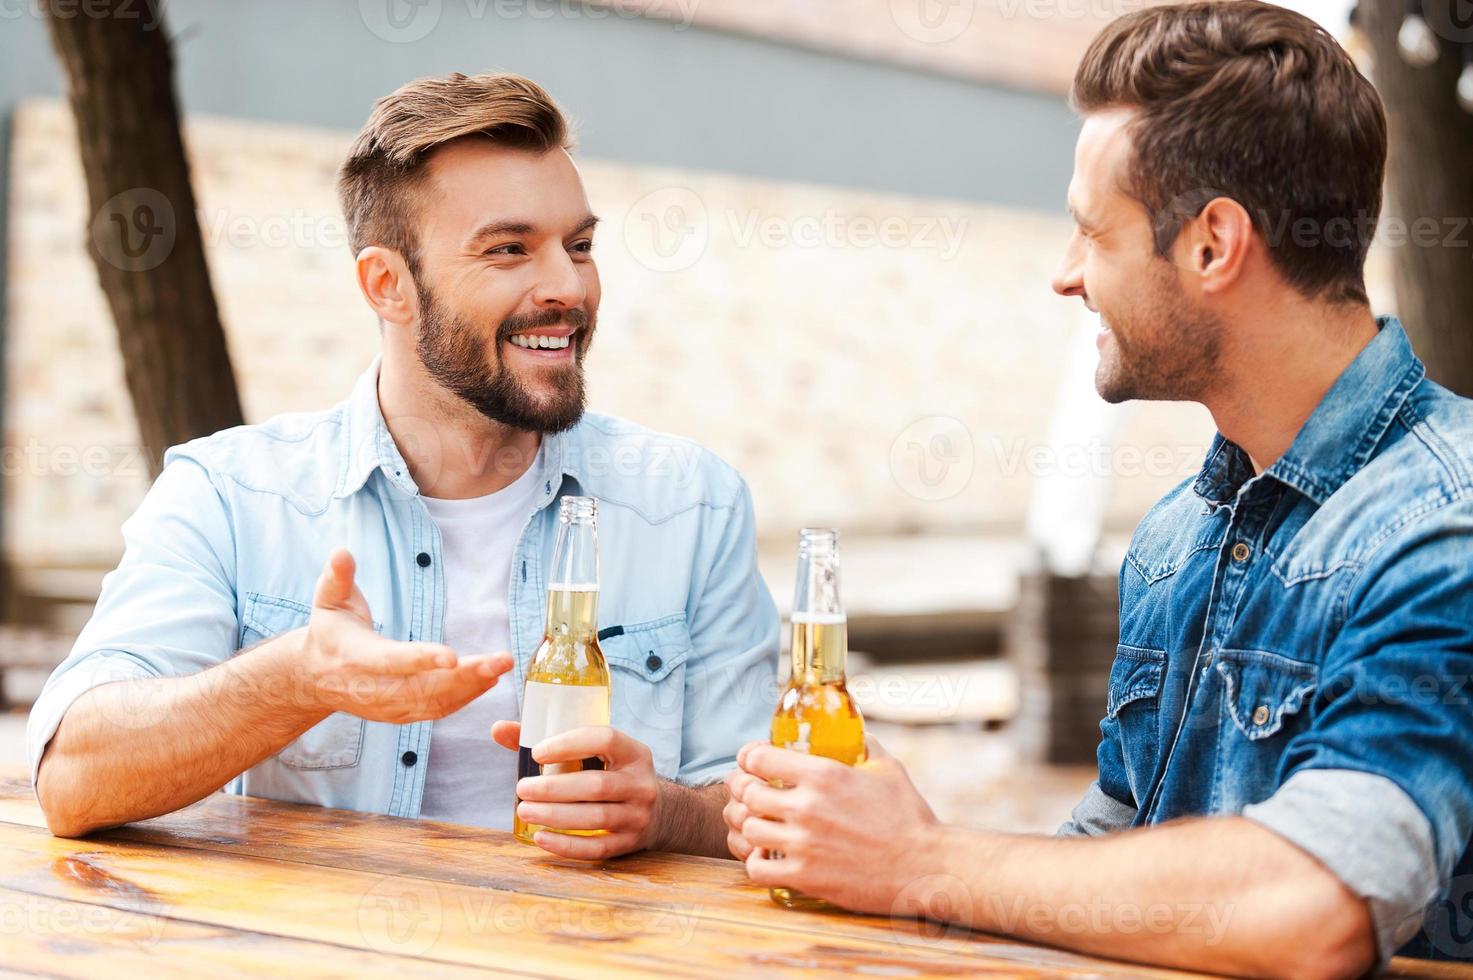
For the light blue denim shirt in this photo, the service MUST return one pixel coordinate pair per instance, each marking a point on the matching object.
(228, 544)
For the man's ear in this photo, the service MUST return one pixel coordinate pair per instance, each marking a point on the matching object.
(386, 282)
(1216, 244)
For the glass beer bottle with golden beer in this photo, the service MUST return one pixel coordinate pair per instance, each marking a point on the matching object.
(568, 678)
(815, 713)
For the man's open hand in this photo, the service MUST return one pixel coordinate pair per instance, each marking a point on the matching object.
(348, 667)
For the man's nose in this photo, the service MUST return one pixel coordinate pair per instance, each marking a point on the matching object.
(559, 284)
(1068, 278)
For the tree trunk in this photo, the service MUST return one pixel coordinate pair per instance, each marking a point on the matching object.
(1430, 185)
(144, 237)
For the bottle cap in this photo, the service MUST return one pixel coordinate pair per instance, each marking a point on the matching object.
(578, 510)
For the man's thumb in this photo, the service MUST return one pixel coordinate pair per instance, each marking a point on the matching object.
(507, 734)
(335, 587)
(874, 751)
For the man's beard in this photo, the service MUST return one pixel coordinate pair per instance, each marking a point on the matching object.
(454, 354)
(1164, 348)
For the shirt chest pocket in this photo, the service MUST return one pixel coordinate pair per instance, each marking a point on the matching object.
(1263, 700)
(647, 667)
(336, 742)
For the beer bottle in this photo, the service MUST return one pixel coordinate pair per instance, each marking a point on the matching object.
(815, 713)
(568, 678)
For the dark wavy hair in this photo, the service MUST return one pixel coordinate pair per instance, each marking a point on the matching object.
(1246, 100)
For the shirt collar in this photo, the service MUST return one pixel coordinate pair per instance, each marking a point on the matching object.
(1341, 434)
(368, 446)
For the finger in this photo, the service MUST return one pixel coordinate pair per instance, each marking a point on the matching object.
(507, 734)
(612, 817)
(766, 870)
(735, 814)
(444, 691)
(737, 783)
(475, 675)
(874, 751)
(768, 762)
(591, 741)
(380, 656)
(742, 752)
(769, 801)
(491, 665)
(589, 785)
(770, 835)
(586, 848)
(738, 845)
(335, 587)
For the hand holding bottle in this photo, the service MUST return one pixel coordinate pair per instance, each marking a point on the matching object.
(622, 799)
(856, 836)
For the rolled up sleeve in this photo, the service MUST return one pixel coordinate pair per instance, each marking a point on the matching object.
(1369, 834)
(1379, 787)
(1098, 813)
(167, 610)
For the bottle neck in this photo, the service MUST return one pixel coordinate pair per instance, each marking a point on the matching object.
(820, 631)
(572, 613)
(820, 647)
(572, 581)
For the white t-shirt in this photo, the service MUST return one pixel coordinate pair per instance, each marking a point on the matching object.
(471, 779)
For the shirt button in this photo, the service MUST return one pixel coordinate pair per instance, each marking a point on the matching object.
(409, 758)
(653, 663)
(423, 558)
(1241, 552)
(1260, 714)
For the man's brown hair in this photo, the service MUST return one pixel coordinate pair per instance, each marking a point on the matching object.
(1246, 100)
(378, 184)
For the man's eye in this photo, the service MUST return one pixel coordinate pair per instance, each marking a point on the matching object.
(585, 246)
(513, 249)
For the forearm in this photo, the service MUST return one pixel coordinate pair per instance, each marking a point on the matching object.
(689, 820)
(133, 749)
(1219, 893)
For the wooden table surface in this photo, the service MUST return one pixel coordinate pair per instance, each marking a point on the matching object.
(241, 886)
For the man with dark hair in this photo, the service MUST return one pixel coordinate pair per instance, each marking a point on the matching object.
(218, 657)
(1286, 770)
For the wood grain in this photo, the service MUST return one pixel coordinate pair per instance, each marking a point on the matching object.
(58, 937)
(452, 854)
(272, 887)
(448, 923)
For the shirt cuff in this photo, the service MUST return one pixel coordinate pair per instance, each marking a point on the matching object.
(63, 689)
(1098, 813)
(1370, 834)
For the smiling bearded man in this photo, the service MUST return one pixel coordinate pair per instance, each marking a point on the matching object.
(217, 655)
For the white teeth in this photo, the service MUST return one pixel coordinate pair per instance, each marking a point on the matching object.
(534, 342)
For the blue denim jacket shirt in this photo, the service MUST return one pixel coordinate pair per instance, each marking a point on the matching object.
(1296, 647)
(227, 546)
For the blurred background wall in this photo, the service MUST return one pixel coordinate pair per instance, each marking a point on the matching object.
(823, 249)
(828, 231)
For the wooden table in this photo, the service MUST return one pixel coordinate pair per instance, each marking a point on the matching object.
(243, 886)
